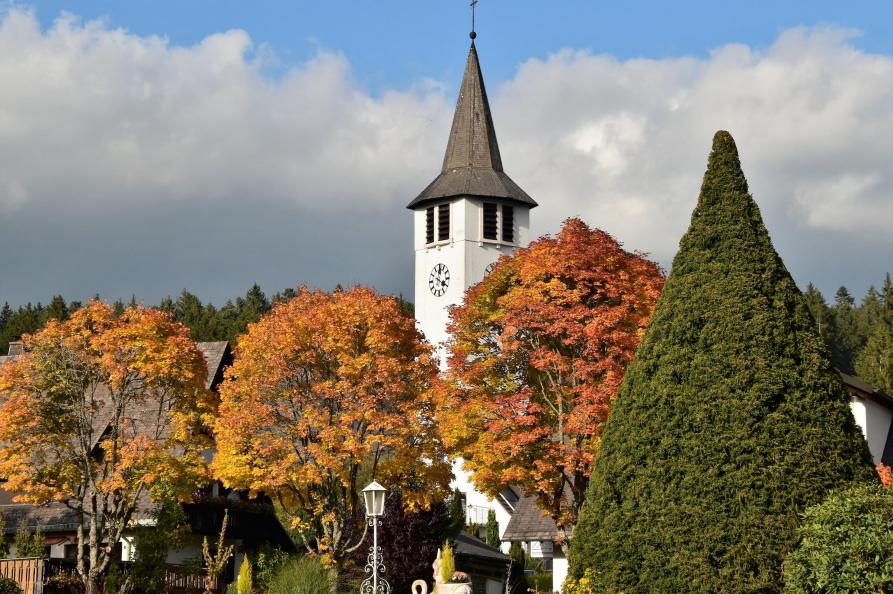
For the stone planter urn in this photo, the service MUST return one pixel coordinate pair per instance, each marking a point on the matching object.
(464, 588)
(420, 587)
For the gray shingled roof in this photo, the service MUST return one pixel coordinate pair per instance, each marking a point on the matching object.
(56, 517)
(469, 546)
(472, 165)
(528, 523)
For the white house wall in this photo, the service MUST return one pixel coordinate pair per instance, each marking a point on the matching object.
(874, 420)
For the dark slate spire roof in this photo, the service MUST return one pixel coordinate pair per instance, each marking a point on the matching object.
(472, 165)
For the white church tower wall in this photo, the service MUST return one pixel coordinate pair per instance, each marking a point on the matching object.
(464, 221)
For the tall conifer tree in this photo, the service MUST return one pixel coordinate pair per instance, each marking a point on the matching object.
(730, 422)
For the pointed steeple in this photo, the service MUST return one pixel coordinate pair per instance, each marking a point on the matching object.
(472, 138)
(472, 165)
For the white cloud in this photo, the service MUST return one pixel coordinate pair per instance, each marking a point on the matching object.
(625, 143)
(110, 117)
(95, 119)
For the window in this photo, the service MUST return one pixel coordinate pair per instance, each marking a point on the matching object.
(429, 225)
(490, 224)
(443, 222)
(508, 224)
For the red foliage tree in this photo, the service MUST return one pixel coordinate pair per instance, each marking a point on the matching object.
(539, 350)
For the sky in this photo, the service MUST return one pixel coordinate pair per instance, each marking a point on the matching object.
(150, 147)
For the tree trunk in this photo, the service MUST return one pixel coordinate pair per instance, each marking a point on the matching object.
(333, 579)
(91, 585)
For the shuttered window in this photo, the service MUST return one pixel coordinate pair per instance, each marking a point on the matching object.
(429, 225)
(490, 223)
(443, 222)
(508, 224)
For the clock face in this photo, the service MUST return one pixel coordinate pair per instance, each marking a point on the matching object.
(490, 267)
(439, 280)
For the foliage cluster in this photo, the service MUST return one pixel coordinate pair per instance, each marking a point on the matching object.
(304, 574)
(517, 576)
(9, 586)
(206, 321)
(327, 389)
(539, 349)
(492, 530)
(169, 529)
(216, 558)
(245, 583)
(123, 412)
(447, 563)
(412, 537)
(846, 545)
(730, 423)
(29, 543)
(860, 335)
(266, 563)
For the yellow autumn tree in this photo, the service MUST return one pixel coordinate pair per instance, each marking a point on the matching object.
(326, 391)
(99, 411)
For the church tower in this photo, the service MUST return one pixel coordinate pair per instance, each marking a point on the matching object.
(469, 216)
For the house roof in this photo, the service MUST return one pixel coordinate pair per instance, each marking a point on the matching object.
(469, 546)
(57, 517)
(217, 357)
(528, 523)
(866, 390)
(472, 165)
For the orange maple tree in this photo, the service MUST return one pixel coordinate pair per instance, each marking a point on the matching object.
(885, 474)
(327, 391)
(538, 352)
(100, 410)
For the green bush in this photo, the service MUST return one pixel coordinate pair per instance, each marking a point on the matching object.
(113, 579)
(28, 544)
(541, 581)
(244, 583)
(447, 563)
(149, 570)
(9, 586)
(305, 575)
(517, 577)
(730, 423)
(267, 561)
(846, 545)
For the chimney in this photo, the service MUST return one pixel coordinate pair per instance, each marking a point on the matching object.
(16, 347)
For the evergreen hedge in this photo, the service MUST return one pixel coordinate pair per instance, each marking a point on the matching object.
(731, 420)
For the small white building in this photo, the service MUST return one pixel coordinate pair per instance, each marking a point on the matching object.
(873, 411)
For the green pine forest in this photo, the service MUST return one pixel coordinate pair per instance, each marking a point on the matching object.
(859, 334)
(207, 322)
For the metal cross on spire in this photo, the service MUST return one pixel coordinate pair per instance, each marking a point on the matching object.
(474, 4)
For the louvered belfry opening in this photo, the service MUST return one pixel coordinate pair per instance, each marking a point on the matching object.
(508, 224)
(490, 223)
(443, 222)
(429, 224)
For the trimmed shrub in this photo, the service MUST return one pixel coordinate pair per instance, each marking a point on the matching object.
(447, 564)
(731, 420)
(9, 586)
(244, 584)
(304, 574)
(846, 545)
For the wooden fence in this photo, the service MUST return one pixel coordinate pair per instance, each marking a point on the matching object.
(32, 575)
(28, 573)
